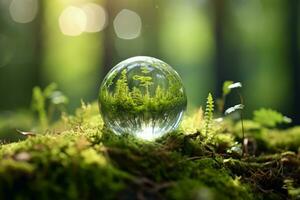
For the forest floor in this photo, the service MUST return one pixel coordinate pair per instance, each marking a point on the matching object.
(78, 158)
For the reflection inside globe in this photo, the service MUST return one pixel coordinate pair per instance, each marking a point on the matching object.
(142, 96)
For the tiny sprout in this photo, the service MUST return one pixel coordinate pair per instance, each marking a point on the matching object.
(46, 101)
(235, 85)
(239, 107)
(234, 108)
(26, 133)
(228, 86)
(226, 89)
(57, 97)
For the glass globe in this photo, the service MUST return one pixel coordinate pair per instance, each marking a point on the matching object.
(142, 96)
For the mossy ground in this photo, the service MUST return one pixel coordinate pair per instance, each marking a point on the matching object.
(78, 158)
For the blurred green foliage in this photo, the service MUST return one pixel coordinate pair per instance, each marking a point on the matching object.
(46, 101)
(270, 118)
(254, 42)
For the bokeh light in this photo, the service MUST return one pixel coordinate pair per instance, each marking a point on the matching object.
(127, 24)
(23, 11)
(96, 17)
(72, 21)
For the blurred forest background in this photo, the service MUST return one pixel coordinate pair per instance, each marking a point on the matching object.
(74, 43)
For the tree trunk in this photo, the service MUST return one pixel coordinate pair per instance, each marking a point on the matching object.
(293, 23)
(109, 52)
(220, 65)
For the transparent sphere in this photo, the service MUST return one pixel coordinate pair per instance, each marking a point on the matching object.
(142, 96)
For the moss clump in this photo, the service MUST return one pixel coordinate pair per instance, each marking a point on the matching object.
(78, 158)
(53, 166)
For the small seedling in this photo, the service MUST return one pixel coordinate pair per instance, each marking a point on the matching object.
(46, 101)
(225, 91)
(234, 108)
(238, 107)
(26, 133)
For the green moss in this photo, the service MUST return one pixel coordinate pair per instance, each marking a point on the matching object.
(209, 180)
(78, 158)
(285, 140)
(65, 165)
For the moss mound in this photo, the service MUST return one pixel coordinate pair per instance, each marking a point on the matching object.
(78, 158)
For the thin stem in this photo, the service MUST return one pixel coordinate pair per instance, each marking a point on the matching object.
(243, 131)
(223, 103)
(242, 121)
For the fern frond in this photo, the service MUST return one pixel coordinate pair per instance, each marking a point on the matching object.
(208, 115)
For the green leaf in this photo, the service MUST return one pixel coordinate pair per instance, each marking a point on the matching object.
(57, 97)
(235, 85)
(49, 90)
(234, 108)
(226, 90)
(229, 85)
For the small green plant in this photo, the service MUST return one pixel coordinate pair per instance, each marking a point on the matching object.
(270, 118)
(227, 87)
(38, 105)
(208, 115)
(225, 91)
(293, 192)
(46, 101)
